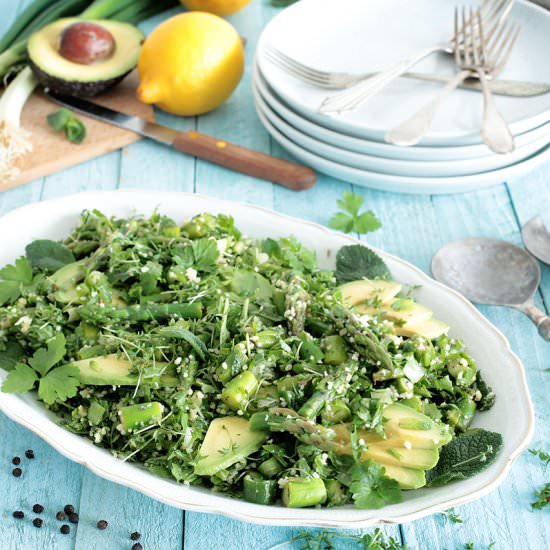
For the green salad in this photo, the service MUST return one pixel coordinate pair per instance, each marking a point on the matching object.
(238, 364)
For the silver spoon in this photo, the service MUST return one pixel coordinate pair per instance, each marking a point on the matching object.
(494, 272)
(537, 239)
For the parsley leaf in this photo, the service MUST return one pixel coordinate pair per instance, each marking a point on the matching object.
(54, 384)
(14, 276)
(44, 359)
(350, 220)
(201, 255)
(11, 355)
(356, 262)
(59, 384)
(9, 292)
(542, 498)
(371, 488)
(20, 380)
(543, 455)
(21, 271)
(48, 255)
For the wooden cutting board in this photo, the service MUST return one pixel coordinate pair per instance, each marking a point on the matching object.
(52, 151)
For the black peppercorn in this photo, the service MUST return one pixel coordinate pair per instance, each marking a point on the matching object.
(37, 522)
(17, 472)
(102, 524)
(73, 518)
(65, 529)
(135, 535)
(69, 509)
(18, 514)
(60, 516)
(38, 508)
(29, 453)
(137, 546)
(16, 460)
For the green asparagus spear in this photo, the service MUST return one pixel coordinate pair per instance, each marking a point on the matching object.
(258, 490)
(238, 392)
(95, 314)
(300, 492)
(134, 417)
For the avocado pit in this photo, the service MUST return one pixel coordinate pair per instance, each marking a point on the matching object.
(86, 43)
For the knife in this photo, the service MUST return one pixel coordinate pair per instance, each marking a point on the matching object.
(513, 88)
(250, 162)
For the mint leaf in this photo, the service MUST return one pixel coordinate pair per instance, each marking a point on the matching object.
(45, 358)
(371, 488)
(20, 380)
(465, 456)
(356, 262)
(9, 292)
(21, 271)
(59, 384)
(350, 220)
(48, 255)
(11, 355)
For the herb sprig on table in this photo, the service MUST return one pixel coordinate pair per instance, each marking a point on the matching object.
(542, 495)
(351, 219)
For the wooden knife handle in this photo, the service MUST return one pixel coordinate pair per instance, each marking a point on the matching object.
(256, 164)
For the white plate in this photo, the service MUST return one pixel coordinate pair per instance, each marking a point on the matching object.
(393, 166)
(359, 36)
(404, 184)
(364, 146)
(512, 414)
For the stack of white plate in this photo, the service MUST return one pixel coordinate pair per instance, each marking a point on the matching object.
(360, 36)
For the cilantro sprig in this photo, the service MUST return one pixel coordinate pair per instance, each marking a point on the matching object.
(351, 220)
(371, 488)
(54, 384)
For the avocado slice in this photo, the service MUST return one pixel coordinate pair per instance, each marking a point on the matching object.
(403, 310)
(227, 441)
(334, 348)
(110, 370)
(62, 76)
(357, 292)
(408, 478)
(429, 329)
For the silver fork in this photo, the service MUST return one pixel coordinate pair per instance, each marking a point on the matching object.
(493, 14)
(490, 9)
(495, 54)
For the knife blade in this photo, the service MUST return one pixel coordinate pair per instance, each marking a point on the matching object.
(241, 159)
(512, 88)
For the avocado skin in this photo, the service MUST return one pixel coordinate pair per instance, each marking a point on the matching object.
(74, 87)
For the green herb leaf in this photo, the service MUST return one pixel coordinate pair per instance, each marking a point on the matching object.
(543, 455)
(48, 255)
(371, 488)
(350, 220)
(65, 120)
(59, 384)
(356, 262)
(183, 334)
(21, 271)
(11, 355)
(20, 380)
(465, 456)
(45, 358)
(542, 498)
(9, 292)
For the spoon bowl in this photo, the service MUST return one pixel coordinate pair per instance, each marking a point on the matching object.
(537, 239)
(493, 272)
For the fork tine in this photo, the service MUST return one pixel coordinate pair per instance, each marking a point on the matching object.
(295, 71)
(475, 37)
(293, 63)
(456, 39)
(495, 23)
(506, 54)
(465, 42)
(482, 43)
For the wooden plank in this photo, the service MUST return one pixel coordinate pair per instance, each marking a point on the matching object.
(503, 516)
(49, 479)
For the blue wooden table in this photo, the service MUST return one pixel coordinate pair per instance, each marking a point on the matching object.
(414, 227)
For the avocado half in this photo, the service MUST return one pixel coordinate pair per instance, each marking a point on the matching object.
(62, 76)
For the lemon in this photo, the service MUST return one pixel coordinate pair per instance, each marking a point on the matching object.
(190, 64)
(219, 7)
